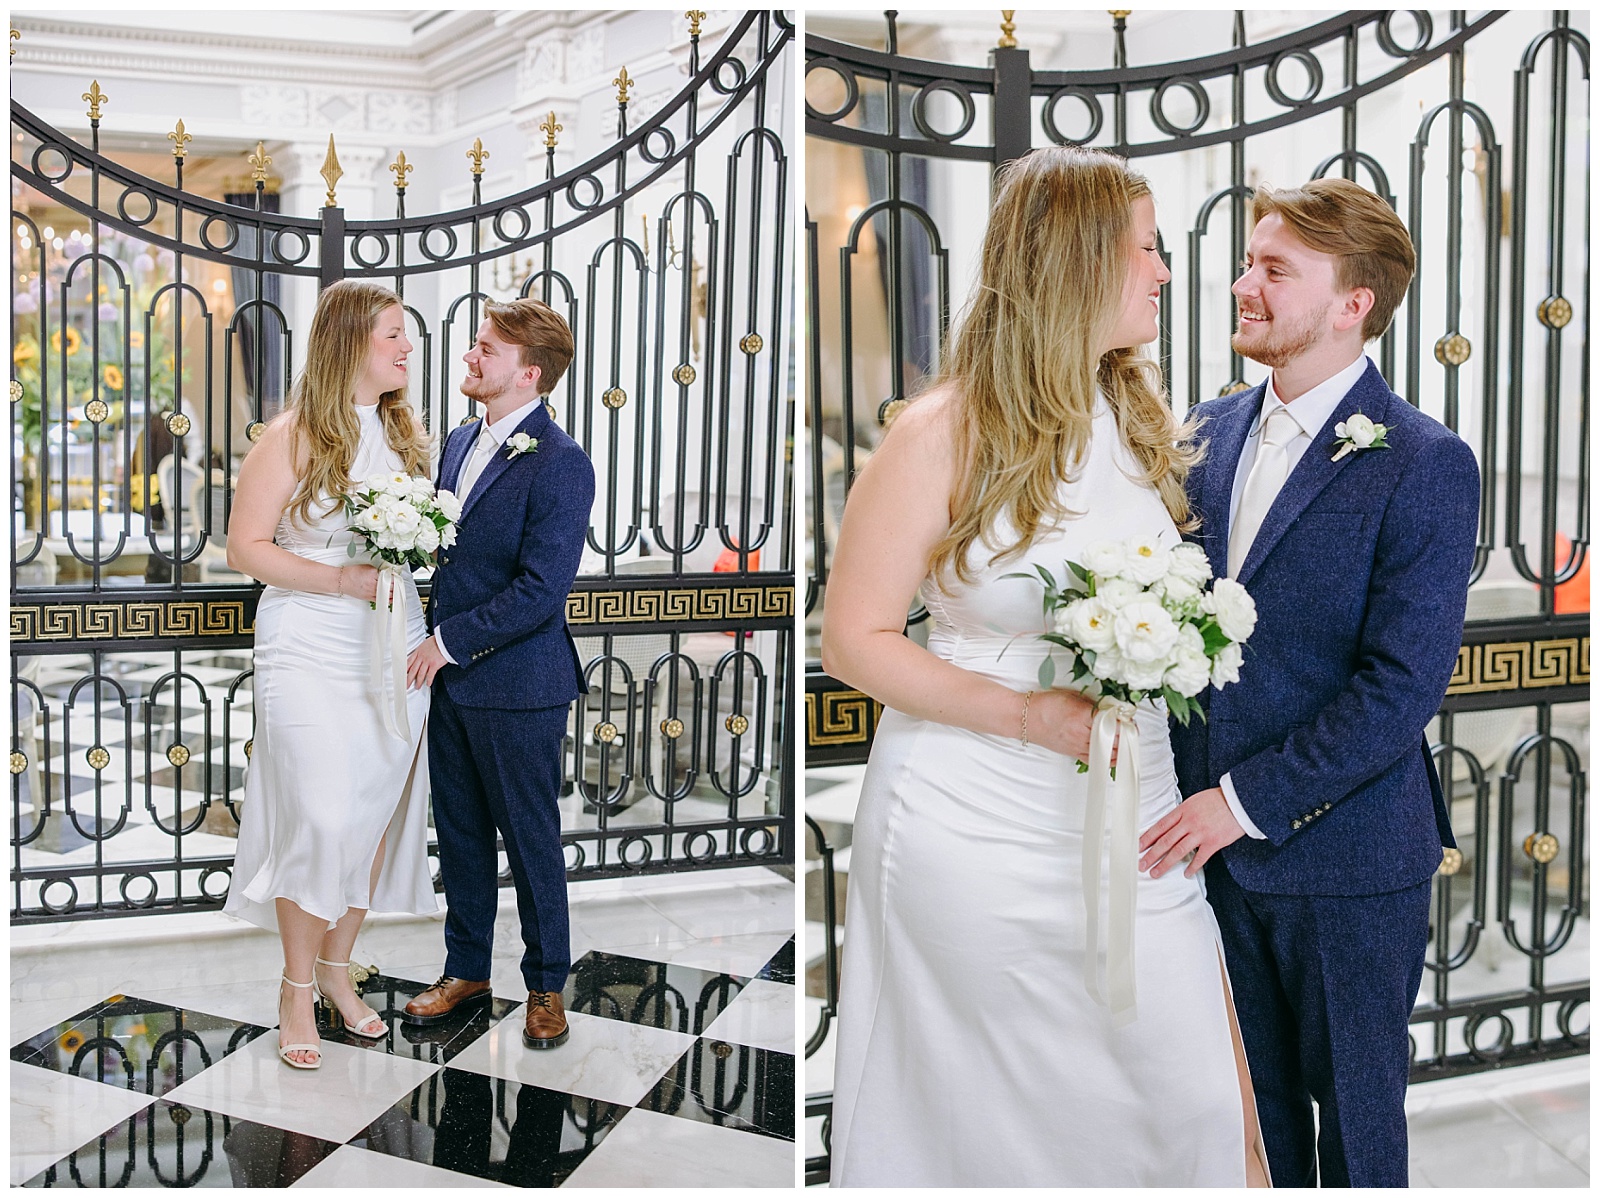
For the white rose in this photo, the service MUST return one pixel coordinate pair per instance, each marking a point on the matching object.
(1146, 631)
(1359, 429)
(449, 503)
(386, 502)
(1225, 665)
(1234, 609)
(1118, 592)
(404, 521)
(427, 538)
(1144, 675)
(384, 538)
(1145, 561)
(1104, 560)
(1180, 591)
(1109, 665)
(1090, 623)
(421, 490)
(1191, 668)
(447, 535)
(1189, 562)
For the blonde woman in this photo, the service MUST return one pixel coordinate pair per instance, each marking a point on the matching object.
(970, 1051)
(335, 814)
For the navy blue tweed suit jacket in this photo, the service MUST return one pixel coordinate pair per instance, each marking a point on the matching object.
(1359, 575)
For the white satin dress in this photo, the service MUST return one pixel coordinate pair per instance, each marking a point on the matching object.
(970, 1052)
(326, 779)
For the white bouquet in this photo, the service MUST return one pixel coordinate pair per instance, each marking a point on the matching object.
(1138, 621)
(400, 519)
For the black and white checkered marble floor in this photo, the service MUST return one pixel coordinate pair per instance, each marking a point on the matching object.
(143, 1054)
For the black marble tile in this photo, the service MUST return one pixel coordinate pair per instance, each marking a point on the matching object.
(435, 1043)
(781, 967)
(676, 997)
(169, 1144)
(489, 1127)
(729, 1085)
(133, 1043)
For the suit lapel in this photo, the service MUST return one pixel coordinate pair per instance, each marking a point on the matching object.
(456, 449)
(1223, 448)
(533, 424)
(1316, 469)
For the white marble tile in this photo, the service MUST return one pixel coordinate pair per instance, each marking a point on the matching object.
(353, 1087)
(761, 1017)
(624, 919)
(602, 1058)
(356, 1168)
(1559, 1116)
(53, 1113)
(652, 1150)
(730, 912)
(1477, 1143)
(30, 1018)
(742, 956)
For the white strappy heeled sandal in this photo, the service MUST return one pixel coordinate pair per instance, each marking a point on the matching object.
(365, 1028)
(285, 1049)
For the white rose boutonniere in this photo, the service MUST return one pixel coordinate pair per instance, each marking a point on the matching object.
(1359, 432)
(520, 443)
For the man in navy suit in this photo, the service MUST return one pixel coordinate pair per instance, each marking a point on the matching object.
(1314, 806)
(503, 667)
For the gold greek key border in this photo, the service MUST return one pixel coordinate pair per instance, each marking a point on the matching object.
(1520, 665)
(841, 718)
(129, 621)
(669, 605)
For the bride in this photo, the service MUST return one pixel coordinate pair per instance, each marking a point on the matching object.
(971, 1051)
(335, 814)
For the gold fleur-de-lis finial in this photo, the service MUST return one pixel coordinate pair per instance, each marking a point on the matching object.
(259, 162)
(16, 37)
(622, 83)
(477, 154)
(550, 129)
(1008, 28)
(1120, 14)
(331, 173)
(695, 17)
(180, 141)
(96, 97)
(401, 169)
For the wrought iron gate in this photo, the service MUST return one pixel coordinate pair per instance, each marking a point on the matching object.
(1512, 731)
(132, 399)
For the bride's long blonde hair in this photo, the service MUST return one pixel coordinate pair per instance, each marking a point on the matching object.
(1024, 357)
(323, 403)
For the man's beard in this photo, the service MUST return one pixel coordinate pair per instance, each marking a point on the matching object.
(481, 394)
(1284, 343)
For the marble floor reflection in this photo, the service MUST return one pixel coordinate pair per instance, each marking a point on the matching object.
(146, 1057)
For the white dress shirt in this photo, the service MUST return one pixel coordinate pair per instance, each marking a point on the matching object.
(1310, 411)
(499, 430)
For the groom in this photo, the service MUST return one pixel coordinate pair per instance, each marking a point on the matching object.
(503, 667)
(1313, 805)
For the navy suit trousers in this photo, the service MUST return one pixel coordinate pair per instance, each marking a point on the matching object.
(1324, 988)
(500, 771)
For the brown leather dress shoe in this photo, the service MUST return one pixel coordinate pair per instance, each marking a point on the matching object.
(444, 998)
(545, 1024)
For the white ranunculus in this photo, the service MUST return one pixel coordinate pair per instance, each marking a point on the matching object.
(1225, 665)
(384, 538)
(404, 521)
(1089, 623)
(421, 490)
(1145, 560)
(1145, 631)
(1191, 668)
(1359, 429)
(1235, 610)
(1109, 665)
(1104, 560)
(1144, 675)
(387, 502)
(1118, 592)
(1177, 590)
(449, 503)
(371, 520)
(1189, 562)
(427, 538)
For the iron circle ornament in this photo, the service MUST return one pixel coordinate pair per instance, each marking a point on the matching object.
(149, 199)
(361, 239)
(1313, 68)
(736, 724)
(751, 343)
(1090, 101)
(642, 859)
(757, 842)
(735, 67)
(98, 758)
(178, 755)
(523, 229)
(889, 409)
(1542, 847)
(919, 110)
(51, 147)
(178, 424)
(16, 391)
(284, 257)
(671, 728)
(597, 193)
(852, 90)
(95, 411)
(683, 375)
(1202, 105)
(1233, 388)
(217, 218)
(605, 732)
(578, 856)
(614, 398)
(1555, 313)
(19, 761)
(425, 243)
(148, 899)
(254, 430)
(57, 908)
(206, 879)
(1564, 1014)
(249, 748)
(1452, 349)
(700, 857)
(1450, 862)
(668, 142)
(1502, 1042)
(1385, 33)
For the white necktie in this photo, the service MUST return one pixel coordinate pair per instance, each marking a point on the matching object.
(482, 450)
(1267, 476)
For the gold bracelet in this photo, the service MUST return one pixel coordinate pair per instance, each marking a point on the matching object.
(1026, 699)
(341, 581)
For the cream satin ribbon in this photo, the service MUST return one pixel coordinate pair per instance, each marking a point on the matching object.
(1121, 795)
(388, 660)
